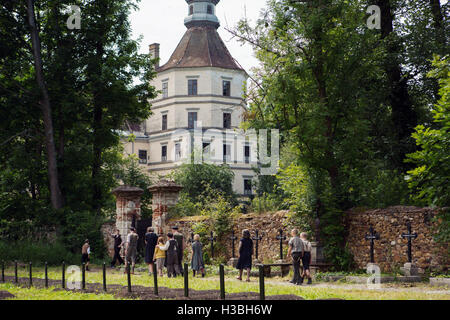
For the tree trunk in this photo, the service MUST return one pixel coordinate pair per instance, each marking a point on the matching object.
(403, 116)
(97, 147)
(438, 21)
(55, 191)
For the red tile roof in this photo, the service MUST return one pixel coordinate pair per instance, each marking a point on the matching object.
(201, 46)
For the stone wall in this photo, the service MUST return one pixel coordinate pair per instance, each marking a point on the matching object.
(267, 225)
(107, 229)
(391, 250)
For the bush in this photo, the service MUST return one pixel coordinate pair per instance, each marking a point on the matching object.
(201, 182)
(82, 225)
(37, 252)
(265, 203)
(185, 207)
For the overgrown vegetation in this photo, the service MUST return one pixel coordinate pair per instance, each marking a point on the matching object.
(346, 100)
(62, 108)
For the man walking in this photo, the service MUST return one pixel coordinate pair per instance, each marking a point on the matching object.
(117, 246)
(131, 250)
(296, 251)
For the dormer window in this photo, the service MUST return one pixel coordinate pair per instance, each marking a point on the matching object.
(209, 9)
(191, 10)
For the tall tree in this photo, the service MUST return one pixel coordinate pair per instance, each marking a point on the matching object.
(45, 105)
(404, 117)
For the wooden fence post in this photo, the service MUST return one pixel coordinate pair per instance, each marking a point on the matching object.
(83, 276)
(155, 281)
(262, 293)
(104, 276)
(31, 274)
(16, 280)
(63, 278)
(222, 282)
(46, 274)
(186, 280)
(129, 277)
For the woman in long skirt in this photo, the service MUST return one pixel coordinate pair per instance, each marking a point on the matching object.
(197, 256)
(245, 255)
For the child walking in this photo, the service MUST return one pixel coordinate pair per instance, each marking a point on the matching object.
(160, 256)
(197, 256)
(306, 259)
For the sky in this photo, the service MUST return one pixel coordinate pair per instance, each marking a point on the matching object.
(162, 21)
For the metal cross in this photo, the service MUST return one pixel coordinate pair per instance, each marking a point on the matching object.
(257, 238)
(409, 236)
(212, 239)
(233, 238)
(372, 236)
(281, 238)
(191, 240)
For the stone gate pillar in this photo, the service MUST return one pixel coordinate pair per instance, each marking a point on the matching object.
(128, 207)
(165, 195)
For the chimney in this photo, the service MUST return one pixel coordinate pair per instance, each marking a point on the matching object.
(154, 53)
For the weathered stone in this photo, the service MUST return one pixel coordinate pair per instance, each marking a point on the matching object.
(391, 250)
(128, 207)
(165, 195)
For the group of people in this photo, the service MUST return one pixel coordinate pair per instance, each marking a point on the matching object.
(169, 253)
(299, 251)
(159, 254)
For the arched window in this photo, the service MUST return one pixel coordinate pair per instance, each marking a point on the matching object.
(191, 10)
(209, 9)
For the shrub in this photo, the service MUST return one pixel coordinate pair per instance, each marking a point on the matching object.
(37, 252)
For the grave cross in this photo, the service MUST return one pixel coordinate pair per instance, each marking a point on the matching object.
(233, 238)
(191, 240)
(281, 237)
(212, 239)
(257, 238)
(409, 236)
(372, 236)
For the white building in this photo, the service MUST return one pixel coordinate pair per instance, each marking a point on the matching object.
(200, 105)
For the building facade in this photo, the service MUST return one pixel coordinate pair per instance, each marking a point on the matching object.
(200, 105)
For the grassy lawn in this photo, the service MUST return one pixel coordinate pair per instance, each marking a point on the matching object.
(274, 286)
(50, 294)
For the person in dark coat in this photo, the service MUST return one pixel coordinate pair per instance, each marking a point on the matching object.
(117, 247)
(151, 240)
(180, 241)
(171, 249)
(197, 256)
(245, 255)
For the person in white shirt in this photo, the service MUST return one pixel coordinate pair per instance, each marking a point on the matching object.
(306, 259)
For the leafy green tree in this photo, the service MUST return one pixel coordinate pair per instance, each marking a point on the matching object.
(96, 80)
(430, 179)
(202, 182)
(132, 174)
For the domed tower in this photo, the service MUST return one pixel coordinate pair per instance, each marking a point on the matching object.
(201, 87)
(202, 13)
